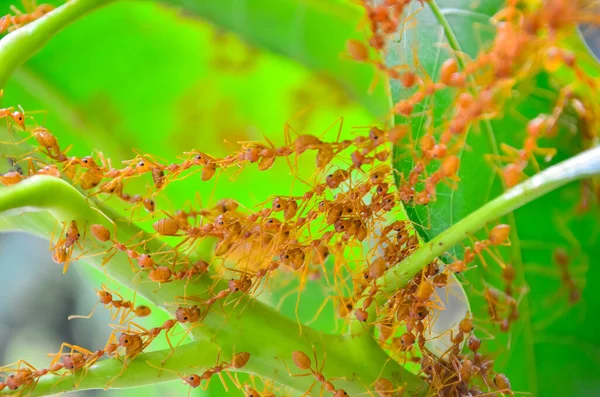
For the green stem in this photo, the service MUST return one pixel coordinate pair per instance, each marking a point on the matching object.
(363, 359)
(584, 165)
(187, 359)
(448, 32)
(248, 325)
(20, 45)
(136, 373)
(65, 203)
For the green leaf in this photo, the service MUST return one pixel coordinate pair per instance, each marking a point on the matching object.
(531, 363)
(18, 46)
(312, 32)
(162, 116)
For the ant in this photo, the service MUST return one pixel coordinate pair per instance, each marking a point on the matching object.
(78, 358)
(385, 388)
(125, 307)
(302, 361)
(238, 361)
(16, 116)
(561, 258)
(24, 374)
(63, 249)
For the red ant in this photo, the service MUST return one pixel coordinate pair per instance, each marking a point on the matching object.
(63, 249)
(24, 374)
(108, 300)
(302, 361)
(238, 361)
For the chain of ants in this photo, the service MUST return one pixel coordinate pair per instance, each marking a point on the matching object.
(347, 214)
(519, 34)
(526, 41)
(409, 307)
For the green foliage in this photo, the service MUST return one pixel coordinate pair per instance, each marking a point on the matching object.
(535, 348)
(170, 87)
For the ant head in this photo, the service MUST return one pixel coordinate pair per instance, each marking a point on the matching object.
(124, 340)
(192, 380)
(19, 118)
(182, 315)
(233, 285)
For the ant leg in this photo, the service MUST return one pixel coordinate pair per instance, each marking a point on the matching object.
(320, 309)
(88, 316)
(205, 387)
(186, 332)
(170, 345)
(234, 379)
(310, 388)
(20, 142)
(125, 365)
(26, 364)
(68, 258)
(223, 382)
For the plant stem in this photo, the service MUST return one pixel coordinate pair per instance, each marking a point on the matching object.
(136, 373)
(581, 166)
(268, 364)
(249, 325)
(20, 45)
(65, 203)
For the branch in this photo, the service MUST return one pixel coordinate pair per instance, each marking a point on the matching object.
(20, 45)
(65, 203)
(195, 357)
(136, 373)
(249, 325)
(581, 166)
